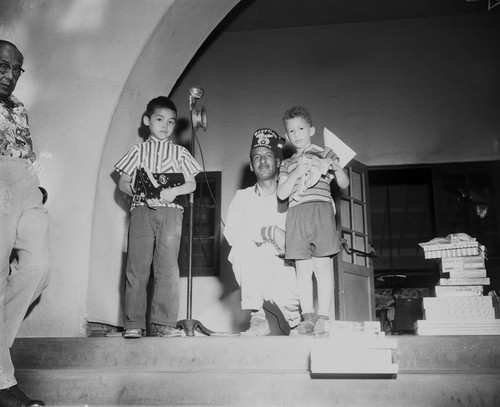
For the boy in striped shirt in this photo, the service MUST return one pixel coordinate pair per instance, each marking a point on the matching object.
(312, 238)
(155, 224)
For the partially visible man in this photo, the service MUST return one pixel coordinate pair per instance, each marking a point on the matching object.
(255, 230)
(24, 224)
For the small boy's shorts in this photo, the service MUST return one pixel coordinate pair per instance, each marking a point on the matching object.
(311, 231)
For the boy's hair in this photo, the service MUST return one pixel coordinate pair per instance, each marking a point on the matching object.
(297, 111)
(161, 102)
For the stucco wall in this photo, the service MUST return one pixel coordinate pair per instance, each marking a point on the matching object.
(87, 63)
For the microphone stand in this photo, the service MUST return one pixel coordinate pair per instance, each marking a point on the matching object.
(190, 325)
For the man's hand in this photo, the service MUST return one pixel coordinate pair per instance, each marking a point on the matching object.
(279, 239)
(275, 235)
(37, 166)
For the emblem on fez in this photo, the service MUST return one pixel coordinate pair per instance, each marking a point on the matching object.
(263, 139)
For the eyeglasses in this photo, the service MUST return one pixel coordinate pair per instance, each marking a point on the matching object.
(16, 70)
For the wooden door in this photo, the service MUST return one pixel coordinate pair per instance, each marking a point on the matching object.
(354, 282)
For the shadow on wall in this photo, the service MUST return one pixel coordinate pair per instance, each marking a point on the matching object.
(230, 297)
(247, 177)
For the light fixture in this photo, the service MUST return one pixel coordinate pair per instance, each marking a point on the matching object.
(481, 210)
(392, 278)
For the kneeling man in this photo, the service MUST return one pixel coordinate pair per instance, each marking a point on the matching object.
(255, 230)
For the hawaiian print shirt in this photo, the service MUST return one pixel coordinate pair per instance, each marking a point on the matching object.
(15, 137)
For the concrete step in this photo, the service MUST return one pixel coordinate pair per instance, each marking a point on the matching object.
(145, 388)
(251, 371)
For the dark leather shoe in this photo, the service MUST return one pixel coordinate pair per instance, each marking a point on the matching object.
(14, 397)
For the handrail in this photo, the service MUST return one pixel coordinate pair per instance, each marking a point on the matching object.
(349, 250)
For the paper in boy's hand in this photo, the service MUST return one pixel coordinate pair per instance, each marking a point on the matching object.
(344, 152)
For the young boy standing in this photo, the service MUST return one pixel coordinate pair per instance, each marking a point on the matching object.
(155, 224)
(311, 233)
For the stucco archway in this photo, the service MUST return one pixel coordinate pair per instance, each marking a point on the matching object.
(177, 37)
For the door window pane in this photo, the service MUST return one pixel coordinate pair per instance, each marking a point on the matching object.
(206, 228)
(356, 183)
(359, 218)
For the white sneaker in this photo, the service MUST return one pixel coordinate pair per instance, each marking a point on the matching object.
(259, 325)
(133, 333)
(322, 327)
(306, 327)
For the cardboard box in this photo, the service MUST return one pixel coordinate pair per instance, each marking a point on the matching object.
(459, 291)
(463, 263)
(459, 249)
(469, 273)
(353, 354)
(484, 301)
(446, 315)
(464, 281)
(431, 328)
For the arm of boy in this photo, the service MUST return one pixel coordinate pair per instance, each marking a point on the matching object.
(286, 184)
(125, 184)
(340, 175)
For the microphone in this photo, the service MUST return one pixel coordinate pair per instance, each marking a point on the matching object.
(198, 117)
(196, 92)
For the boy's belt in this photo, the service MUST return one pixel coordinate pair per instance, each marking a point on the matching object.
(181, 200)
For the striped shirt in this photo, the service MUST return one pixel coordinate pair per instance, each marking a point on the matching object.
(320, 192)
(159, 156)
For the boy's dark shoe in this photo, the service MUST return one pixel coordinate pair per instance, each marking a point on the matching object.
(277, 321)
(164, 331)
(14, 397)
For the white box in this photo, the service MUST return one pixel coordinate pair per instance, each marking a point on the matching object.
(459, 314)
(462, 263)
(459, 291)
(484, 301)
(423, 327)
(353, 354)
(447, 250)
(464, 281)
(468, 273)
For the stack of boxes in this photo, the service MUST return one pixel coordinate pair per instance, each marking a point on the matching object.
(459, 307)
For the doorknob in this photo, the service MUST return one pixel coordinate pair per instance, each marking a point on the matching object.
(349, 250)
